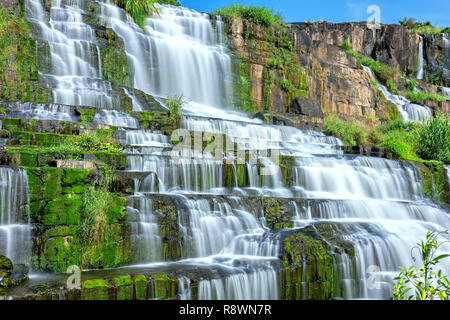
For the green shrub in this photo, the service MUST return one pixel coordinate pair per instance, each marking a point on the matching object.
(345, 45)
(390, 84)
(287, 86)
(434, 139)
(428, 284)
(411, 84)
(138, 9)
(258, 15)
(423, 95)
(400, 148)
(141, 9)
(420, 27)
(175, 104)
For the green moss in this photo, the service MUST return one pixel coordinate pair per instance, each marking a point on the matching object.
(141, 285)
(164, 286)
(115, 65)
(307, 263)
(86, 115)
(18, 68)
(97, 289)
(274, 215)
(124, 287)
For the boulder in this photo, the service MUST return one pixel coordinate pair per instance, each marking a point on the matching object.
(10, 275)
(306, 107)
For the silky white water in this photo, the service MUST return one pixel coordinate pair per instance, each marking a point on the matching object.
(408, 111)
(420, 60)
(375, 205)
(15, 233)
(74, 73)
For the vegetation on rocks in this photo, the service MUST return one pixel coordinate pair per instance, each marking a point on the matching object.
(18, 69)
(408, 141)
(421, 27)
(141, 9)
(433, 139)
(258, 15)
(382, 71)
(423, 95)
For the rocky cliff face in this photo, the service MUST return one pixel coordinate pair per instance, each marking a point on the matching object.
(268, 59)
(326, 74)
(391, 44)
(437, 58)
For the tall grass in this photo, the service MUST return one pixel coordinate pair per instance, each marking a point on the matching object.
(258, 15)
(423, 95)
(412, 141)
(434, 139)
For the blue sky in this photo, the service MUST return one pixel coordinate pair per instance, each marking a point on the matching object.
(436, 11)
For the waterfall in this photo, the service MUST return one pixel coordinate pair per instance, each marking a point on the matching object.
(30, 110)
(178, 53)
(408, 111)
(15, 233)
(420, 60)
(74, 73)
(375, 206)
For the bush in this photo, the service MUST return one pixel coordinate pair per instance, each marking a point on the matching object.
(391, 86)
(427, 283)
(175, 104)
(400, 148)
(349, 131)
(345, 45)
(434, 139)
(423, 95)
(420, 27)
(258, 15)
(412, 84)
(141, 9)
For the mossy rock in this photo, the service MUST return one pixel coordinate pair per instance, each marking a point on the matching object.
(141, 285)
(307, 262)
(96, 289)
(124, 287)
(164, 286)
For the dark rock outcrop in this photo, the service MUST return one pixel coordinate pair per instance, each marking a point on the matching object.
(306, 107)
(436, 51)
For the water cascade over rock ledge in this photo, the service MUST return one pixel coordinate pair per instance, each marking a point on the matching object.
(192, 226)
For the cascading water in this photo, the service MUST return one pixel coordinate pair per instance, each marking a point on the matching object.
(408, 111)
(178, 53)
(15, 234)
(375, 205)
(74, 72)
(420, 60)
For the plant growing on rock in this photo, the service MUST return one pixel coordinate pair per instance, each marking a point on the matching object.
(427, 284)
(434, 139)
(258, 15)
(141, 9)
(175, 104)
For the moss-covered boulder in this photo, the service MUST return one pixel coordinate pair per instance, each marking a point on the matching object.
(10, 275)
(309, 268)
